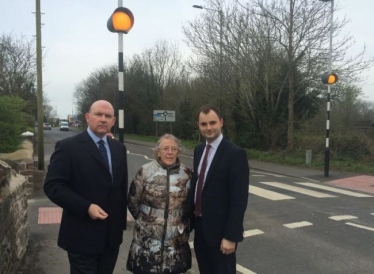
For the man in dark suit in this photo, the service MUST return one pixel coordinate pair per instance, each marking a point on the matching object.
(87, 177)
(220, 195)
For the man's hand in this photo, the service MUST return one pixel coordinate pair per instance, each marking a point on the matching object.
(96, 212)
(227, 247)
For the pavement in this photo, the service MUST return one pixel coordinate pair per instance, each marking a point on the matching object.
(45, 257)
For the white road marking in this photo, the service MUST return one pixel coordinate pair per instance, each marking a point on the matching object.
(360, 226)
(268, 194)
(248, 233)
(267, 173)
(259, 175)
(299, 190)
(141, 155)
(333, 189)
(342, 217)
(252, 232)
(244, 270)
(298, 224)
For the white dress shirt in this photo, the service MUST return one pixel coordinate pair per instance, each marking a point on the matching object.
(212, 152)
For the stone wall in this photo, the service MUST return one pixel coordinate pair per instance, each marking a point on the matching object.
(22, 161)
(16, 183)
(14, 231)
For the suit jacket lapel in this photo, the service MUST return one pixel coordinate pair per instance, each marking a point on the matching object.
(199, 154)
(114, 157)
(197, 158)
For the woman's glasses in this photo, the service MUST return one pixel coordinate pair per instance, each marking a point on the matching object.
(167, 149)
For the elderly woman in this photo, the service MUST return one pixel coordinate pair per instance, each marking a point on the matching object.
(158, 202)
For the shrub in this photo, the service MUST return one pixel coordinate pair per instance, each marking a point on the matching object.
(355, 146)
(12, 123)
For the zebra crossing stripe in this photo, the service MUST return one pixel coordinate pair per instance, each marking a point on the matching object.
(267, 173)
(252, 232)
(299, 190)
(268, 194)
(337, 190)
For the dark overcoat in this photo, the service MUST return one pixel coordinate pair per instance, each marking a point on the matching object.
(78, 177)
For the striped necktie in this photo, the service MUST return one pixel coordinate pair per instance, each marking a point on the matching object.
(103, 152)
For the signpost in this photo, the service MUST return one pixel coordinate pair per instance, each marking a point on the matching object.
(164, 116)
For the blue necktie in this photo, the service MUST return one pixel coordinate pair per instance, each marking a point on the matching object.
(103, 152)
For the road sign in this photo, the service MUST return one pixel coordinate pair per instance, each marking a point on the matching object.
(164, 116)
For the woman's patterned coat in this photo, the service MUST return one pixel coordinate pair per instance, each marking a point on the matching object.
(157, 194)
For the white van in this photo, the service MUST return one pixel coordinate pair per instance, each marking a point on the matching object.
(64, 126)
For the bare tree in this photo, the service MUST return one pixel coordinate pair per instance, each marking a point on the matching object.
(273, 54)
(163, 64)
(17, 64)
(100, 84)
(301, 28)
(17, 70)
(153, 80)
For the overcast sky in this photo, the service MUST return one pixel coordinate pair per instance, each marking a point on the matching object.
(76, 40)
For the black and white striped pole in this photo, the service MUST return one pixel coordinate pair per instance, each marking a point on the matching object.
(329, 78)
(121, 22)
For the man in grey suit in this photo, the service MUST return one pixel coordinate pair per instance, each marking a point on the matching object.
(220, 195)
(87, 177)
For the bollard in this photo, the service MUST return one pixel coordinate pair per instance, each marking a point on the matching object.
(308, 156)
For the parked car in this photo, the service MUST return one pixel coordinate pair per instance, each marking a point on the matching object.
(64, 126)
(47, 126)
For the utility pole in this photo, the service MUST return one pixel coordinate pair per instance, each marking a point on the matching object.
(39, 87)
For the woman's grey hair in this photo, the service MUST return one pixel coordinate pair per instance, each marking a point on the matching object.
(156, 149)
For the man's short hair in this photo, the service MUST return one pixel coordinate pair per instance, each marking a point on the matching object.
(206, 109)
